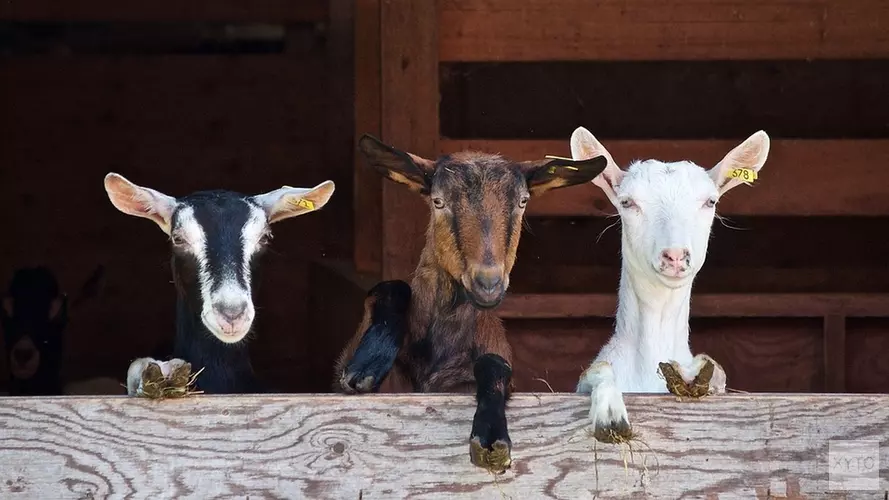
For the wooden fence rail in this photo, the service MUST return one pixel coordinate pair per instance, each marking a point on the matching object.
(387, 446)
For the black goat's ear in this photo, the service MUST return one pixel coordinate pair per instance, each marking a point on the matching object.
(554, 173)
(402, 167)
(8, 309)
(58, 309)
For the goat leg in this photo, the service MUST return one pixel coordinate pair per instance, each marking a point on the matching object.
(378, 341)
(607, 411)
(489, 443)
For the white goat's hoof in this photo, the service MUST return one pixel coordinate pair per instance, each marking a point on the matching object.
(703, 376)
(608, 414)
(153, 371)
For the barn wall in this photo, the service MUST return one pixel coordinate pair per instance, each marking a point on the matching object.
(176, 118)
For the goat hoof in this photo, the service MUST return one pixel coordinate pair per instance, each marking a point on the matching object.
(614, 432)
(701, 378)
(496, 458)
(356, 383)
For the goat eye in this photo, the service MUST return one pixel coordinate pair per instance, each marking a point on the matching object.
(627, 203)
(710, 203)
(438, 203)
(523, 201)
(264, 239)
(177, 240)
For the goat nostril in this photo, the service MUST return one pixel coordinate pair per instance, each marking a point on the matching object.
(675, 256)
(488, 283)
(231, 312)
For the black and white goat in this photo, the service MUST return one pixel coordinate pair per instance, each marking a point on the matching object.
(216, 239)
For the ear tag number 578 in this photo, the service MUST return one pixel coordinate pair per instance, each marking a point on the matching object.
(743, 174)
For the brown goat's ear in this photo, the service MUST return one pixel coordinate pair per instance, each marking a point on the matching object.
(553, 173)
(399, 166)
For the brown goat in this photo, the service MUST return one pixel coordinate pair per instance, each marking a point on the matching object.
(440, 334)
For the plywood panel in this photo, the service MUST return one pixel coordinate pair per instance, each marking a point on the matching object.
(320, 447)
(504, 30)
(835, 177)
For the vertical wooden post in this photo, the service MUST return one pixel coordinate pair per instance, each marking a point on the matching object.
(409, 120)
(368, 197)
(834, 353)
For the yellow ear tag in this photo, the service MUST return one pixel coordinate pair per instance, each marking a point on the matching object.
(746, 175)
(303, 203)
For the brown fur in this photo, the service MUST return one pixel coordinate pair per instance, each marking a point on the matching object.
(477, 202)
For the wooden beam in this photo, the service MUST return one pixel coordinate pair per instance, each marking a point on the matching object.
(538, 30)
(801, 177)
(409, 120)
(726, 305)
(281, 11)
(835, 353)
(408, 446)
(368, 197)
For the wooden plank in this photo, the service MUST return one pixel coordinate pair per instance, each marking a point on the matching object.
(368, 198)
(666, 100)
(834, 339)
(165, 10)
(415, 446)
(867, 366)
(830, 177)
(537, 30)
(409, 120)
(724, 305)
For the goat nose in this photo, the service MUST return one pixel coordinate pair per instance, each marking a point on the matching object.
(488, 282)
(23, 355)
(231, 312)
(675, 257)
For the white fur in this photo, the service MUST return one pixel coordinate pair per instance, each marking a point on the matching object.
(662, 206)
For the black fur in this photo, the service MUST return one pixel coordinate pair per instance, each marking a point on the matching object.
(492, 376)
(32, 291)
(380, 344)
(227, 367)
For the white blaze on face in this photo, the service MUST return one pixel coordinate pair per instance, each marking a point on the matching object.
(226, 297)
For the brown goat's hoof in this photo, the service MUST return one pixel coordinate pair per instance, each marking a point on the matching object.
(353, 383)
(497, 458)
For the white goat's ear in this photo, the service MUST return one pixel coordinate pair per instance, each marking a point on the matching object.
(749, 155)
(585, 145)
(140, 201)
(289, 201)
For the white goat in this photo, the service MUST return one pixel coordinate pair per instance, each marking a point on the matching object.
(666, 212)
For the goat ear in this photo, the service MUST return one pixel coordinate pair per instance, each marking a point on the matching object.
(289, 201)
(585, 145)
(396, 165)
(140, 201)
(544, 175)
(8, 306)
(58, 309)
(749, 155)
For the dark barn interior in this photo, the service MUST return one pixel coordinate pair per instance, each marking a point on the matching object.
(251, 96)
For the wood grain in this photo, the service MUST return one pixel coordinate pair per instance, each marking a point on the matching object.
(320, 447)
(165, 10)
(535, 30)
(368, 193)
(409, 121)
(800, 177)
(725, 305)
